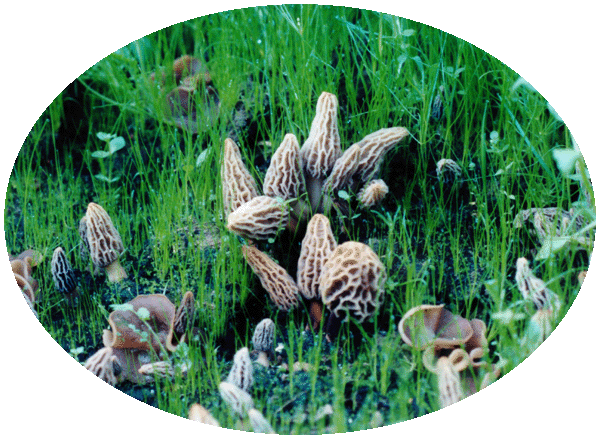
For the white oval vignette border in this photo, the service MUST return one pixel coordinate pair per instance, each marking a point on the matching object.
(47, 45)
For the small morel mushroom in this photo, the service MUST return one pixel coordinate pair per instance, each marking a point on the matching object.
(200, 414)
(259, 423)
(281, 287)
(182, 320)
(372, 193)
(62, 274)
(263, 341)
(22, 268)
(241, 373)
(351, 284)
(552, 222)
(317, 245)
(426, 325)
(437, 108)
(260, 218)
(535, 289)
(448, 171)
(239, 186)
(103, 241)
(104, 365)
(237, 399)
(449, 387)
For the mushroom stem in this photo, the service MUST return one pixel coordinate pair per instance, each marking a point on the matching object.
(115, 272)
(315, 310)
(332, 327)
(314, 187)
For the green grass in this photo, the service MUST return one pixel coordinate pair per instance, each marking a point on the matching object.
(386, 71)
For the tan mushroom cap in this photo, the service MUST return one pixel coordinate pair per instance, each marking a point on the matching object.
(432, 324)
(535, 289)
(22, 270)
(343, 170)
(317, 245)
(102, 364)
(259, 422)
(62, 272)
(322, 147)
(237, 399)
(281, 287)
(447, 170)
(284, 177)
(373, 148)
(182, 321)
(373, 193)
(200, 414)
(449, 385)
(264, 336)
(242, 372)
(103, 241)
(352, 281)
(126, 327)
(260, 218)
(238, 185)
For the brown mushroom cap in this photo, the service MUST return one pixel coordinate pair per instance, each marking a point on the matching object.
(104, 365)
(322, 147)
(182, 321)
(535, 289)
(352, 281)
(449, 386)
(238, 185)
(284, 177)
(432, 324)
(282, 289)
(448, 171)
(260, 218)
(372, 193)
(103, 241)
(241, 373)
(373, 148)
(317, 245)
(62, 273)
(127, 329)
(343, 170)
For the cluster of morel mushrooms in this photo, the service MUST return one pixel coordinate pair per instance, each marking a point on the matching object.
(302, 184)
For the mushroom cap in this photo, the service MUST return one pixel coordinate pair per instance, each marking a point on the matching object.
(237, 399)
(535, 289)
(352, 281)
(260, 218)
(104, 365)
(284, 177)
(199, 414)
(182, 321)
(373, 193)
(62, 273)
(238, 185)
(343, 170)
(264, 336)
(322, 147)
(241, 373)
(281, 287)
(449, 387)
(259, 422)
(424, 325)
(101, 236)
(373, 147)
(448, 171)
(317, 245)
(127, 329)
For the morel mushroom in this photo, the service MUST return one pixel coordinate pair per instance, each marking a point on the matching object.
(535, 289)
(373, 148)
(448, 171)
(322, 147)
(239, 186)
(317, 245)
(199, 414)
(103, 241)
(262, 341)
(62, 274)
(241, 373)
(259, 422)
(351, 284)
(237, 399)
(282, 289)
(104, 365)
(372, 193)
(182, 321)
(449, 387)
(260, 218)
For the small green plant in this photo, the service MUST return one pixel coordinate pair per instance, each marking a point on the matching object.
(105, 156)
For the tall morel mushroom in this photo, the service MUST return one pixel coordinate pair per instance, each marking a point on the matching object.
(241, 373)
(103, 241)
(260, 218)
(352, 284)
(317, 245)
(238, 185)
